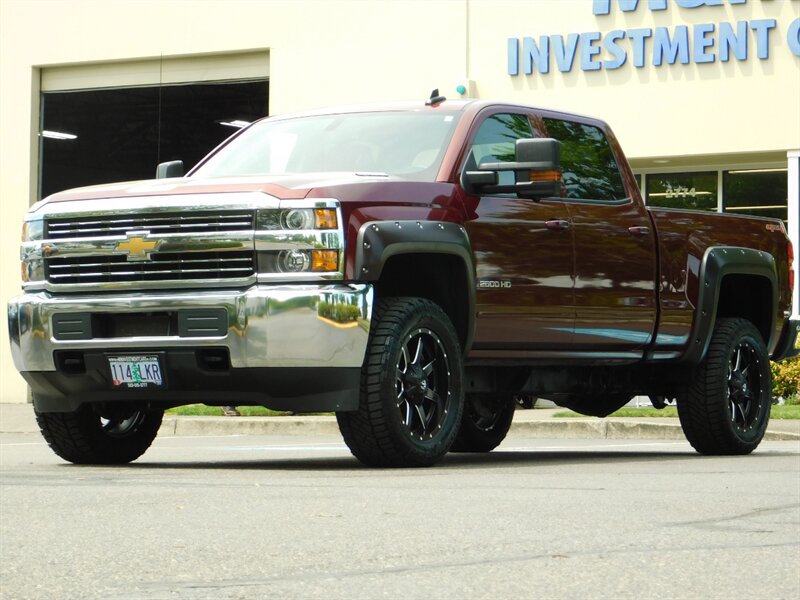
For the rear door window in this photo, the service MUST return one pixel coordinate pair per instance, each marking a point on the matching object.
(588, 167)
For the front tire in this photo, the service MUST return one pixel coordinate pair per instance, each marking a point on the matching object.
(411, 387)
(485, 424)
(88, 436)
(727, 405)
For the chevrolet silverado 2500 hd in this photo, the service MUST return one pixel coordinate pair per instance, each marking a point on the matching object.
(409, 267)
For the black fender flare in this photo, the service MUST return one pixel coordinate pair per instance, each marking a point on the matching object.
(378, 241)
(718, 262)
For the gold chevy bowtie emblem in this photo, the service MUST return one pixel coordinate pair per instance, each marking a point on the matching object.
(137, 247)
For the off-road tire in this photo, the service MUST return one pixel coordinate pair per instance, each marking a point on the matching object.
(86, 437)
(726, 407)
(485, 424)
(411, 396)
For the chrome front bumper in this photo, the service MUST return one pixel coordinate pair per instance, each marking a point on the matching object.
(275, 326)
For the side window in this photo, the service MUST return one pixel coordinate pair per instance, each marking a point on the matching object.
(587, 162)
(495, 140)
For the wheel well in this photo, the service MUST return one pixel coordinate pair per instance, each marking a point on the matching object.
(441, 278)
(749, 297)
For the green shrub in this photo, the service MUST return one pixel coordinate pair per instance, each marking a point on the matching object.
(786, 378)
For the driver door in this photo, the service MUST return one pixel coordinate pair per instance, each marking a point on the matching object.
(523, 253)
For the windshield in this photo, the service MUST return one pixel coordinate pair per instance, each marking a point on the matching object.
(409, 145)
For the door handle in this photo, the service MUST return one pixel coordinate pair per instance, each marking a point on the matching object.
(557, 224)
(639, 231)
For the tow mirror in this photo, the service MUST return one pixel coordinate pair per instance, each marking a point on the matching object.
(173, 168)
(536, 168)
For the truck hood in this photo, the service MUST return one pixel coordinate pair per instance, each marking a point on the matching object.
(280, 186)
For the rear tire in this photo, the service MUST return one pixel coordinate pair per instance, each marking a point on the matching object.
(726, 407)
(411, 387)
(89, 437)
(485, 424)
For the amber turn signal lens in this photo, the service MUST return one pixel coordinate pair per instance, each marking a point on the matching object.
(545, 176)
(324, 260)
(325, 218)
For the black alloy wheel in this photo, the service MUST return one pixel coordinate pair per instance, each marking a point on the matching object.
(92, 435)
(744, 384)
(486, 421)
(411, 398)
(726, 407)
(422, 377)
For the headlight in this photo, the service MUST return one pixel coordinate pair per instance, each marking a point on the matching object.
(32, 265)
(299, 240)
(33, 231)
(296, 219)
(300, 261)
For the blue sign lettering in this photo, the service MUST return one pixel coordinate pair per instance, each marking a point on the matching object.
(762, 28)
(702, 41)
(565, 52)
(678, 46)
(513, 56)
(793, 37)
(728, 40)
(619, 54)
(603, 7)
(638, 38)
(668, 45)
(589, 50)
(538, 54)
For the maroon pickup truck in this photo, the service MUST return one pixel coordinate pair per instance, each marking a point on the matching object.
(410, 267)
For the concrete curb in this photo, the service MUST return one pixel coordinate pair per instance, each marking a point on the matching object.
(310, 425)
(577, 428)
(18, 418)
(614, 429)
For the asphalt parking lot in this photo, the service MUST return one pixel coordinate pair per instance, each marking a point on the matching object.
(295, 516)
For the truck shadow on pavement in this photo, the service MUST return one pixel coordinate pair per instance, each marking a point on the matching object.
(494, 460)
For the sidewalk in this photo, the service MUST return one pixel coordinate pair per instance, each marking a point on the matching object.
(532, 423)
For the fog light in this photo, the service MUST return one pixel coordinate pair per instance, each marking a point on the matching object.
(324, 260)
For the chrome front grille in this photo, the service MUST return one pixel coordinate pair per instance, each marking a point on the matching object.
(162, 266)
(156, 223)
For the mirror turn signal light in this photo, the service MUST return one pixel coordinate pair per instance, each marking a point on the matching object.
(324, 260)
(545, 176)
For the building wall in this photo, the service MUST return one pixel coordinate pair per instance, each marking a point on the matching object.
(325, 52)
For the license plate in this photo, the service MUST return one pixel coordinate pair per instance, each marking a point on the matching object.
(138, 371)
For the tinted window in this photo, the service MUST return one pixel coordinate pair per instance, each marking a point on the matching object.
(495, 142)
(587, 162)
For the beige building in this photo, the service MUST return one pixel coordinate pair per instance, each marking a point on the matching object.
(704, 95)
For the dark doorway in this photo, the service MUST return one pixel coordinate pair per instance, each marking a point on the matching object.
(121, 134)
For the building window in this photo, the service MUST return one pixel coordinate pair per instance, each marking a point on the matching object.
(693, 191)
(120, 134)
(759, 192)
